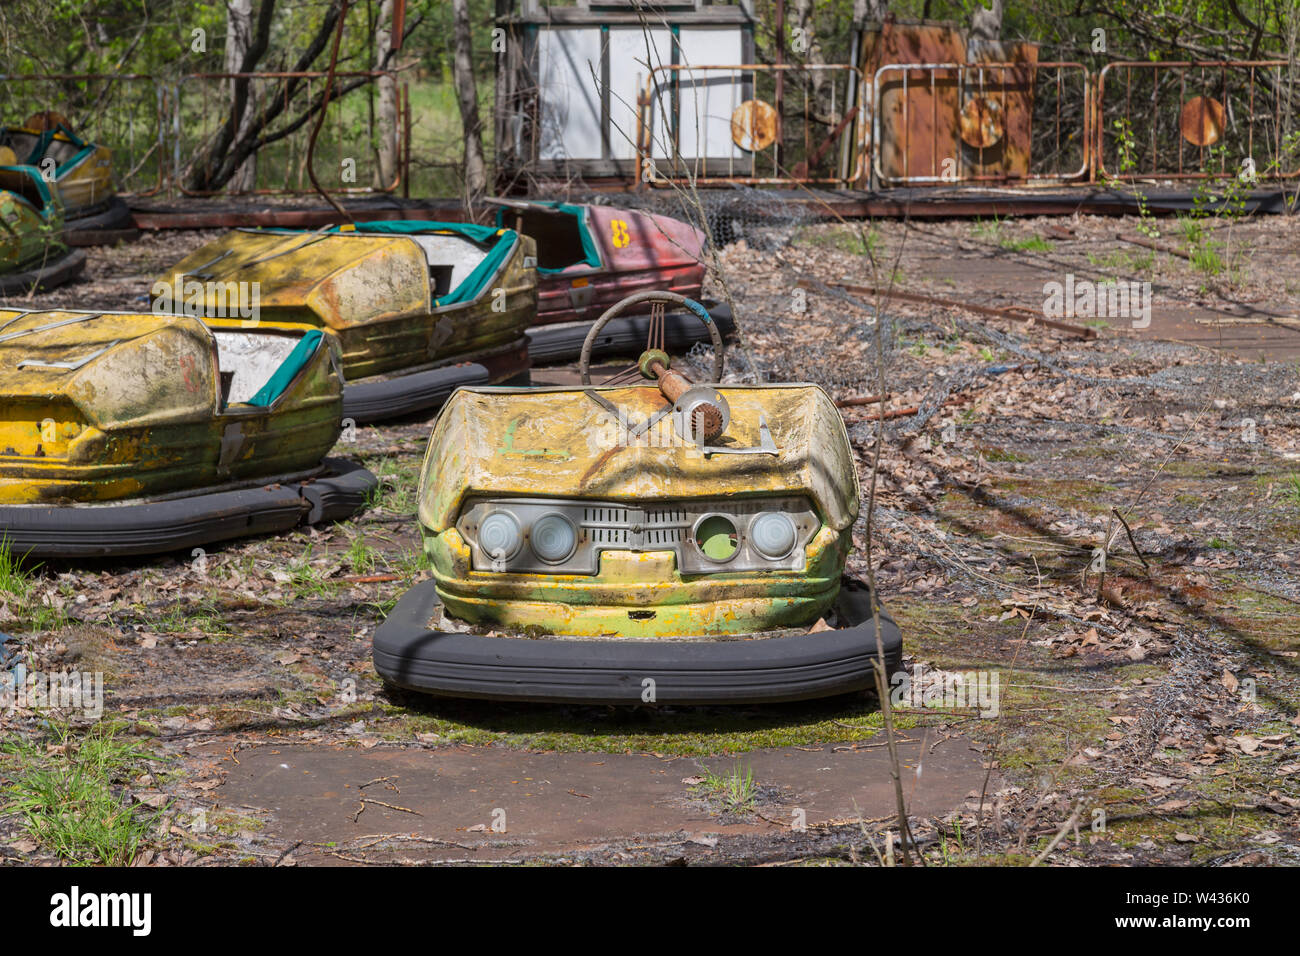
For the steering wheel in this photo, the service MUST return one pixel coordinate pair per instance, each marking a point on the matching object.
(655, 334)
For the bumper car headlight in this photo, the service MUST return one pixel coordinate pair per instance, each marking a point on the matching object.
(553, 537)
(773, 534)
(499, 535)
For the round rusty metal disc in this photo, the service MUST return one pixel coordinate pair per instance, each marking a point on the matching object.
(753, 125)
(1202, 120)
(981, 122)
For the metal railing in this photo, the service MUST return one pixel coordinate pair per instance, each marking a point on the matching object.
(980, 123)
(717, 124)
(1196, 119)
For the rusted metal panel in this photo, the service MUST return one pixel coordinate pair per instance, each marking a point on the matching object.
(110, 406)
(1010, 93)
(998, 106)
(913, 112)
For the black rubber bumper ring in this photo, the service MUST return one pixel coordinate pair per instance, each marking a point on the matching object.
(103, 228)
(87, 531)
(625, 335)
(51, 275)
(366, 402)
(407, 653)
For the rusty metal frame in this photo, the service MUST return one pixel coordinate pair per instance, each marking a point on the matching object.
(645, 161)
(403, 128)
(962, 68)
(1099, 106)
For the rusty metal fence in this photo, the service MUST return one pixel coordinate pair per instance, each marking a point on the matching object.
(157, 127)
(950, 123)
(1197, 120)
(906, 124)
(752, 124)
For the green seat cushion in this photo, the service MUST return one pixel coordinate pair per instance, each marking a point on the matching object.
(293, 363)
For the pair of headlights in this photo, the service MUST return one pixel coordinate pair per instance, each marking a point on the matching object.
(553, 537)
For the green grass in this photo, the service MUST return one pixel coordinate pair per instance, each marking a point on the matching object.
(307, 580)
(735, 791)
(1192, 229)
(1032, 244)
(1291, 487)
(857, 242)
(16, 587)
(687, 731)
(204, 616)
(360, 556)
(15, 582)
(1206, 259)
(1120, 260)
(987, 230)
(69, 795)
(401, 494)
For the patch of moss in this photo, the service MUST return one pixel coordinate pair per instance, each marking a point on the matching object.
(679, 731)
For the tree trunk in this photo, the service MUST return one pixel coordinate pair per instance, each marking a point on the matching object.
(385, 102)
(986, 25)
(475, 168)
(239, 37)
(869, 10)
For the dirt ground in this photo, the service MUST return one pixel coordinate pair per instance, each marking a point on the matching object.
(1145, 716)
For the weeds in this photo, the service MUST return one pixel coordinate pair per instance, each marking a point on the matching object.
(987, 231)
(306, 579)
(735, 791)
(360, 556)
(14, 581)
(71, 795)
(1031, 244)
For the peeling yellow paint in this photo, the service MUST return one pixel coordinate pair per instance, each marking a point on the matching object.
(636, 594)
(140, 413)
(372, 290)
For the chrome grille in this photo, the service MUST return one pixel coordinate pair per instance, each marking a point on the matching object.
(606, 526)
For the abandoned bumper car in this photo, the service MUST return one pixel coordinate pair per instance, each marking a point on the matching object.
(33, 253)
(132, 434)
(590, 257)
(656, 542)
(420, 308)
(82, 172)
